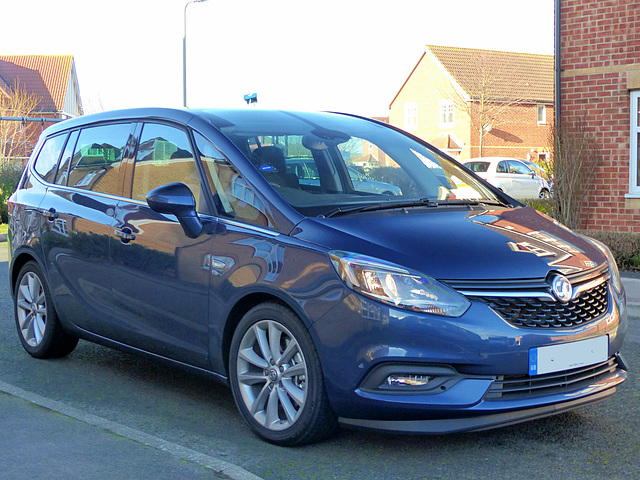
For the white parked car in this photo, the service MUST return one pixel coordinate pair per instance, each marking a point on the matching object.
(510, 175)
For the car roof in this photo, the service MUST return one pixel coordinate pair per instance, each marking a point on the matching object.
(219, 118)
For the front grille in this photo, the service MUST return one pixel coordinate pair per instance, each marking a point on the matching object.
(540, 312)
(513, 387)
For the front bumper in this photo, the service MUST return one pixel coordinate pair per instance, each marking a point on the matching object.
(557, 393)
(483, 353)
(471, 424)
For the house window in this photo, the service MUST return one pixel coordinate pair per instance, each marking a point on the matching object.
(542, 114)
(411, 116)
(634, 177)
(446, 113)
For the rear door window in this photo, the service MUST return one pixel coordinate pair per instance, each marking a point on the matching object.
(98, 158)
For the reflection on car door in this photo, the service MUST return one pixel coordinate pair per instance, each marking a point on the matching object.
(161, 276)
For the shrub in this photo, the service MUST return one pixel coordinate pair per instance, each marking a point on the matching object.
(575, 160)
(624, 246)
(9, 177)
(544, 205)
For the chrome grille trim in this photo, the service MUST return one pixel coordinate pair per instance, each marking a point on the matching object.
(512, 387)
(530, 303)
(533, 312)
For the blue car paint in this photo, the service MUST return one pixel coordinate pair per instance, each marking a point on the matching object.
(288, 260)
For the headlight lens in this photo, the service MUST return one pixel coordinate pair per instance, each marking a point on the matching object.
(616, 281)
(397, 286)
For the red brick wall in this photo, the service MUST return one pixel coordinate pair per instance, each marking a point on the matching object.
(517, 134)
(600, 57)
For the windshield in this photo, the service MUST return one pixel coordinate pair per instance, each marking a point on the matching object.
(321, 162)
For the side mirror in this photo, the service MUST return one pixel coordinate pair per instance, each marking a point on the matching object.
(176, 199)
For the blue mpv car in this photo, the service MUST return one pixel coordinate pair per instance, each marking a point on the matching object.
(237, 243)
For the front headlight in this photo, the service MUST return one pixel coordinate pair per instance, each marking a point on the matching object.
(616, 281)
(397, 286)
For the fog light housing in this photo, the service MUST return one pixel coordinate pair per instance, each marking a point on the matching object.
(408, 380)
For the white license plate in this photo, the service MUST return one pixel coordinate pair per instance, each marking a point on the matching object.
(566, 356)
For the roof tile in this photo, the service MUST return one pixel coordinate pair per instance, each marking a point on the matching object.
(518, 77)
(45, 76)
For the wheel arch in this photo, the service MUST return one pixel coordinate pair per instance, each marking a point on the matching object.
(242, 306)
(19, 261)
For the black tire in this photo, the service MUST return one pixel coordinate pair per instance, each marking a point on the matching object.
(37, 322)
(544, 193)
(283, 400)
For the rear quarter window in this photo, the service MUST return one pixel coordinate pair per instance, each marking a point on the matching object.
(46, 164)
(477, 166)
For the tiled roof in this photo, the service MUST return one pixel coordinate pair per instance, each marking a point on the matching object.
(518, 77)
(45, 76)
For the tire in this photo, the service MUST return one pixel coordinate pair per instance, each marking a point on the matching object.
(37, 322)
(277, 380)
(544, 193)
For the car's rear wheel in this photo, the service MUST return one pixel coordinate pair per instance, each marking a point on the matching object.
(277, 380)
(38, 326)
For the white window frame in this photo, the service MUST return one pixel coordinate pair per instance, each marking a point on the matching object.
(411, 116)
(634, 181)
(447, 113)
(542, 112)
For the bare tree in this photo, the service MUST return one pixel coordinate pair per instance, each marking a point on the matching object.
(15, 136)
(489, 87)
(575, 159)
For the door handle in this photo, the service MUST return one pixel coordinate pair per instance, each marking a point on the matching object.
(51, 214)
(126, 235)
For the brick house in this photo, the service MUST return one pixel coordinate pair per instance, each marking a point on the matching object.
(452, 94)
(52, 80)
(598, 83)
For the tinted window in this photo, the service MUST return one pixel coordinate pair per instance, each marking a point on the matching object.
(502, 167)
(47, 163)
(97, 158)
(164, 156)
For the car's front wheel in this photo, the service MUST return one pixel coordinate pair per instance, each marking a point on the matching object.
(544, 193)
(277, 380)
(38, 326)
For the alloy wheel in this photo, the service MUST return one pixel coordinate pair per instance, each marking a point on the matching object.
(272, 375)
(31, 309)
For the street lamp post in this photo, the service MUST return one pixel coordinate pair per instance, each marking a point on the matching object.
(184, 53)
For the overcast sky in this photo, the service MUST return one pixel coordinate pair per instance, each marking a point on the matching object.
(341, 55)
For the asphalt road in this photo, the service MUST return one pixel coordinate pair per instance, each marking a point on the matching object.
(101, 414)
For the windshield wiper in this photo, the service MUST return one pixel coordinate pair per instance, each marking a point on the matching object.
(423, 202)
(375, 206)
